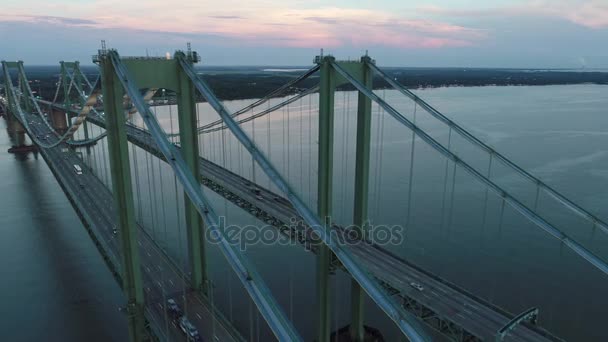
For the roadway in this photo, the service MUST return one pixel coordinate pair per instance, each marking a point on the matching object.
(442, 305)
(455, 306)
(161, 278)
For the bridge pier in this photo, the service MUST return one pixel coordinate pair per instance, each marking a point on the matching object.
(59, 120)
(17, 133)
(368, 334)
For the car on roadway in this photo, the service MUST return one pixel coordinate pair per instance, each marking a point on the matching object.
(259, 197)
(417, 286)
(174, 311)
(189, 329)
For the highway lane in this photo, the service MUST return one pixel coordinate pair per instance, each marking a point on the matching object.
(161, 278)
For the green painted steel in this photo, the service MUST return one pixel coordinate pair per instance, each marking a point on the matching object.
(23, 88)
(328, 83)
(123, 199)
(329, 80)
(186, 106)
(326, 142)
(155, 73)
(65, 84)
(360, 219)
(9, 96)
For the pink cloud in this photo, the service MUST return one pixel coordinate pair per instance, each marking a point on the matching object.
(271, 25)
(589, 13)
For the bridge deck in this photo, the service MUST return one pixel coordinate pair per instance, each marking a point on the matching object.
(161, 279)
(442, 305)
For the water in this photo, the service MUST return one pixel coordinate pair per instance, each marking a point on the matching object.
(555, 132)
(55, 285)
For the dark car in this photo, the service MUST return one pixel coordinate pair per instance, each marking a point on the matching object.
(173, 309)
(189, 329)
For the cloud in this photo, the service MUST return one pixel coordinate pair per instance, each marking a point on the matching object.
(48, 19)
(588, 13)
(593, 14)
(323, 20)
(226, 17)
(266, 23)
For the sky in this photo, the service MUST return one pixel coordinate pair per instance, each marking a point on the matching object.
(440, 33)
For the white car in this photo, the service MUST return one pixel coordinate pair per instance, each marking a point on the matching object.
(417, 286)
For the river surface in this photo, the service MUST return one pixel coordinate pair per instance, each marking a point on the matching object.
(56, 285)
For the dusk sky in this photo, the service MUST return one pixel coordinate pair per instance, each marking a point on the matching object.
(468, 33)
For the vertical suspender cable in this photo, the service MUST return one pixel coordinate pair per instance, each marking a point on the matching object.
(288, 146)
(252, 160)
(269, 149)
(381, 154)
(445, 181)
(301, 164)
(411, 178)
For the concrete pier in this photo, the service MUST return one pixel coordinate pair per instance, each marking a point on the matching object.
(17, 132)
(59, 120)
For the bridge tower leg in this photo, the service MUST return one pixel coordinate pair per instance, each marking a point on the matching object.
(186, 107)
(65, 84)
(22, 83)
(14, 126)
(364, 117)
(123, 199)
(324, 208)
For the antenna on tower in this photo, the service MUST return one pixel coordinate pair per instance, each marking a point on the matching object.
(321, 52)
(103, 45)
(189, 48)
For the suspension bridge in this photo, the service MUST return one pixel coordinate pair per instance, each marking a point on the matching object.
(158, 190)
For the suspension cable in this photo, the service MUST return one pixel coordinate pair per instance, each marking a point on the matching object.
(265, 98)
(466, 134)
(267, 111)
(406, 323)
(249, 277)
(515, 203)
